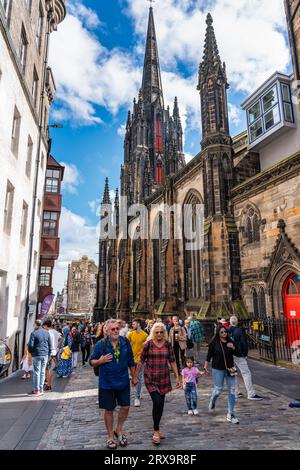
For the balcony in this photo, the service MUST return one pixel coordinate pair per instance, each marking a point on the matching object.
(52, 202)
(50, 248)
(58, 7)
(270, 111)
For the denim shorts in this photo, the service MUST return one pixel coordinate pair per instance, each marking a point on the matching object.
(109, 399)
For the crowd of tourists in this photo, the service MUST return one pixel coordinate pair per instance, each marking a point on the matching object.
(143, 352)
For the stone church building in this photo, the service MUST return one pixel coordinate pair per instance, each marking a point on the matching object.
(249, 185)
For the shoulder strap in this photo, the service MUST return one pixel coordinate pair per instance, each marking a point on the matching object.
(223, 354)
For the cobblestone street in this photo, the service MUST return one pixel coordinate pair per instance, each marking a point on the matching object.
(269, 424)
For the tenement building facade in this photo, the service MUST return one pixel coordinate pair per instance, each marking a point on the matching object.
(249, 187)
(27, 90)
(82, 284)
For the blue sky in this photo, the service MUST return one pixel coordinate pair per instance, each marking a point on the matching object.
(97, 58)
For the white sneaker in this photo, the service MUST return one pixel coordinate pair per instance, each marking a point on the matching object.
(190, 412)
(137, 402)
(196, 412)
(256, 398)
(232, 419)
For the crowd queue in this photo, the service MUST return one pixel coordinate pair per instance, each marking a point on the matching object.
(141, 353)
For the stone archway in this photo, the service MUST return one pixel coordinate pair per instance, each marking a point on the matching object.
(285, 261)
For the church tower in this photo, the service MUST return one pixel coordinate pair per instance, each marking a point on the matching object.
(102, 280)
(153, 140)
(221, 262)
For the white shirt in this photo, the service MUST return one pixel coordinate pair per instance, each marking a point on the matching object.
(54, 337)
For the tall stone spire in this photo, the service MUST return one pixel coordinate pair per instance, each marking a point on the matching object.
(106, 197)
(213, 87)
(152, 85)
(211, 64)
(176, 109)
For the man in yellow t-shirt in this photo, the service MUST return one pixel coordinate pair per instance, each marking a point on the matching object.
(137, 337)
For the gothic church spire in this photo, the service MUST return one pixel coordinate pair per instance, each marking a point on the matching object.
(213, 87)
(152, 85)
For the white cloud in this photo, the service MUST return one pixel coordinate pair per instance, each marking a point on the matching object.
(122, 130)
(188, 97)
(87, 74)
(250, 35)
(188, 157)
(95, 206)
(235, 114)
(88, 16)
(71, 179)
(77, 238)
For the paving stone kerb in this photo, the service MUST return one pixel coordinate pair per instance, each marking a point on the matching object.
(269, 424)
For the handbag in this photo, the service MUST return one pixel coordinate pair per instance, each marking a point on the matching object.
(189, 343)
(231, 371)
(66, 353)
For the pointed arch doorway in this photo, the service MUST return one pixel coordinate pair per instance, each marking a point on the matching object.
(291, 298)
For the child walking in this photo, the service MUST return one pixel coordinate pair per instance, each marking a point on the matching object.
(26, 364)
(189, 383)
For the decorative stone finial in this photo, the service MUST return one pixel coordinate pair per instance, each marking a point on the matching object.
(281, 225)
(209, 19)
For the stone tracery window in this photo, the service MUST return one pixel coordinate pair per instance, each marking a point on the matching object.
(255, 304)
(193, 271)
(252, 225)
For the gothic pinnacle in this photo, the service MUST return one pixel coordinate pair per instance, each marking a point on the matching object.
(209, 19)
(211, 65)
(106, 197)
(176, 109)
(117, 198)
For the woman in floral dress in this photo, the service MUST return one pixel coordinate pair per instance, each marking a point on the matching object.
(157, 354)
(64, 368)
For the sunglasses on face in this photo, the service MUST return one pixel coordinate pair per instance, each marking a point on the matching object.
(159, 332)
(115, 329)
(223, 332)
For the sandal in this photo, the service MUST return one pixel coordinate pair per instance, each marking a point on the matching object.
(111, 445)
(156, 438)
(121, 439)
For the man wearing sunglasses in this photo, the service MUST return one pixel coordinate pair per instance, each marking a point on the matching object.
(114, 356)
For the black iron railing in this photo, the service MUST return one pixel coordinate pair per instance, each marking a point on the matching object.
(273, 339)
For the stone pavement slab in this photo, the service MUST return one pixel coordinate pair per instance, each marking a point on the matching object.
(24, 418)
(268, 424)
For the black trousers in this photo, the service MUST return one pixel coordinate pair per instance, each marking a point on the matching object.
(85, 351)
(179, 352)
(158, 408)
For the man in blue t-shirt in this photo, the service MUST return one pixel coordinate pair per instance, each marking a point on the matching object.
(113, 355)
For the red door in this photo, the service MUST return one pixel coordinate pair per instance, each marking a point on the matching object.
(291, 295)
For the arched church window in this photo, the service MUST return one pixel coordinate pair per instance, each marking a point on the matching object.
(262, 303)
(193, 271)
(256, 226)
(249, 231)
(157, 258)
(255, 304)
(252, 225)
(136, 247)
